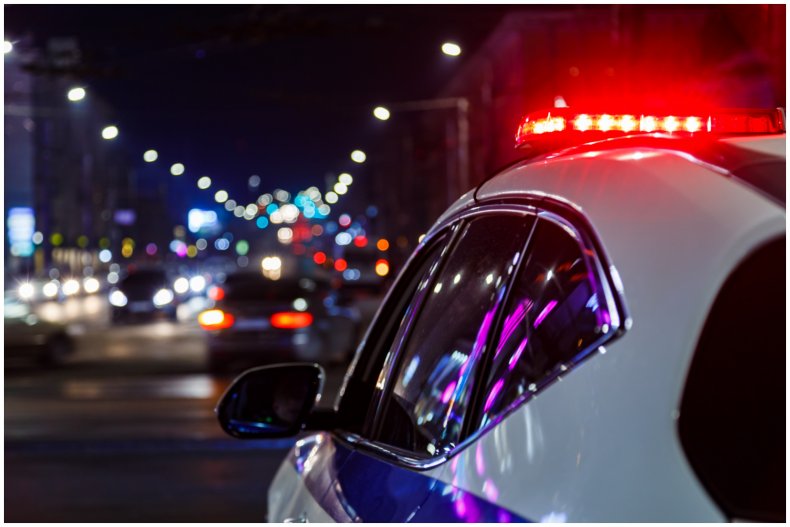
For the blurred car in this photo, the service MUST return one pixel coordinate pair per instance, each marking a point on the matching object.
(28, 338)
(256, 320)
(597, 334)
(143, 294)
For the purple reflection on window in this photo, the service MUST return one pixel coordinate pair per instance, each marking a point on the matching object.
(448, 392)
(512, 321)
(490, 490)
(514, 359)
(482, 333)
(494, 394)
(503, 517)
(480, 465)
(460, 505)
(543, 314)
(465, 508)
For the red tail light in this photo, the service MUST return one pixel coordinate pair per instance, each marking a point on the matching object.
(216, 293)
(215, 319)
(291, 320)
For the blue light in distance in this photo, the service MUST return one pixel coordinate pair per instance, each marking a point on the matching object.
(21, 226)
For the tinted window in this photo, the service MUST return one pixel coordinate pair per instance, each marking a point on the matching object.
(553, 316)
(733, 414)
(430, 390)
(392, 323)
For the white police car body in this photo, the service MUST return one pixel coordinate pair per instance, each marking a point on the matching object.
(595, 334)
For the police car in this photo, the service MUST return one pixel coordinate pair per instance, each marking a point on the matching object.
(595, 334)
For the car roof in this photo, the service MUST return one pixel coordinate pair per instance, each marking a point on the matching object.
(773, 145)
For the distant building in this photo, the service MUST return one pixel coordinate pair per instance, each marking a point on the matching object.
(18, 142)
(56, 159)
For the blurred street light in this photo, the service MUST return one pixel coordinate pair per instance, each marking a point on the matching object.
(177, 169)
(71, 287)
(345, 178)
(221, 196)
(330, 197)
(451, 48)
(381, 113)
(26, 291)
(91, 285)
(358, 156)
(109, 132)
(76, 94)
(150, 156)
(8, 47)
(204, 183)
(254, 181)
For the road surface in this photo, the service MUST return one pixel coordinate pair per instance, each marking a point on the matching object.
(125, 430)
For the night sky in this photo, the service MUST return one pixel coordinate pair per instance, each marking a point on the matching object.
(284, 92)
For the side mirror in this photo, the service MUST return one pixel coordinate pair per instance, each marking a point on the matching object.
(270, 401)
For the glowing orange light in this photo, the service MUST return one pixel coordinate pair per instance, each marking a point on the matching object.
(627, 123)
(319, 258)
(215, 319)
(582, 123)
(291, 320)
(606, 123)
(671, 124)
(340, 264)
(558, 123)
(382, 267)
(648, 124)
(693, 124)
(382, 245)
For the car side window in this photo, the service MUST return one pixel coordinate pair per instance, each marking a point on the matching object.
(429, 388)
(355, 408)
(555, 315)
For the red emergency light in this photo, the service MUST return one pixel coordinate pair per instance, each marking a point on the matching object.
(566, 122)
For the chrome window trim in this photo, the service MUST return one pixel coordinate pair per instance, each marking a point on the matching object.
(551, 208)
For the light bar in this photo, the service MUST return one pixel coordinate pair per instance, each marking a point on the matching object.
(566, 122)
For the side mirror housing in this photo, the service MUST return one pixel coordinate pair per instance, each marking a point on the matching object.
(270, 401)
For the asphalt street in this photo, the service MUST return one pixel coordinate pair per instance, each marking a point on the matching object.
(124, 431)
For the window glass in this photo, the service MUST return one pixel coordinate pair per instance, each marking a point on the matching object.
(553, 316)
(431, 386)
(360, 387)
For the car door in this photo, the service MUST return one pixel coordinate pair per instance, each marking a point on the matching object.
(427, 373)
(304, 488)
